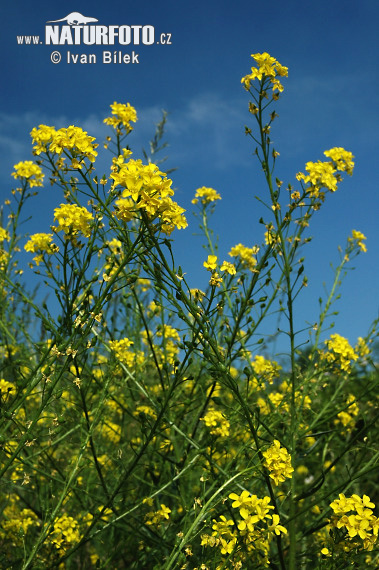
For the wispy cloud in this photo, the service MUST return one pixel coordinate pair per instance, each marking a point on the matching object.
(209, 128)
(206, 128)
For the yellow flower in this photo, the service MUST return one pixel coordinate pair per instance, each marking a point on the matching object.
(361, 522)
(267, 369)
(325, 552)
(346, 417)
(29, 171)
(65, 532)
(340, 352)
(155, 518)
(358, 237)
(267, 66)
(215, 280)
(217, 423)
(278, 462)
(361, 348)
(342, 158)
(123, 115)
(228, 267)
(244, 500)
(144, 283)
(276, 527)
(125, 209)
(42, 137)
(245, 254)
(119, 347)
(150, 190)
(4, 235)
(6, 387)
(70, 138)
(41, 243)
(130, 358)
(324, 174)
(206, 195)
(167, 331)
(145, 410)
(211, 262)
(73, 218)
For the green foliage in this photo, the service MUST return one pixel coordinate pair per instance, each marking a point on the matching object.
(142, 424)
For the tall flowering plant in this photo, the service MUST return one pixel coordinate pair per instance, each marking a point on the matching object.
(143, 422)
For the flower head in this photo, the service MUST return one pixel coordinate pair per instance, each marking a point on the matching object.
(267, 67)
(206, 196)
(122, 115)
(146, 188)
(358, 239)
(73, 219)
(72, 138)
(245, 254)
(325, 174)
(228, 267)
(4, 235)
(340, 353)
(278, 462)
(30, 172)
(217, 423)
(41, 243)
(211, 263)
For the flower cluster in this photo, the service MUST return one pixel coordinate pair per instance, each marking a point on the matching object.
(4, 235)
(211, 265)
(280, 402)
(325, 174)
(125, 209)
(256, 528)
(346, 417)
(342, 159)
(16, 522)
(278, 462)
(355, 514)
(361, 348)
(123, 115)
(206, 196)
(130, 358)
(119, 347)
(65, 532)
(6, 387)
(157, 517)
(146, 188)
(358, 238)
(340, 352)
(267, 66)
(228, 267)
(245, 254)
(110, 431)
(146, 410)
(4, 257)
(268, 370)
(217, 423)
(30, 172)
(41, 243)
(72, 139)
(73, 219)
(169, 351)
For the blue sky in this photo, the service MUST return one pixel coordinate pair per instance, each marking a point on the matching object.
(330, 99)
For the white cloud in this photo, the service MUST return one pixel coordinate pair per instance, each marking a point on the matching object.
(207, 129)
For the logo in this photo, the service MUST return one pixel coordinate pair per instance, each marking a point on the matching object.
(75, 29)
(74, 19)
(79, 30)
